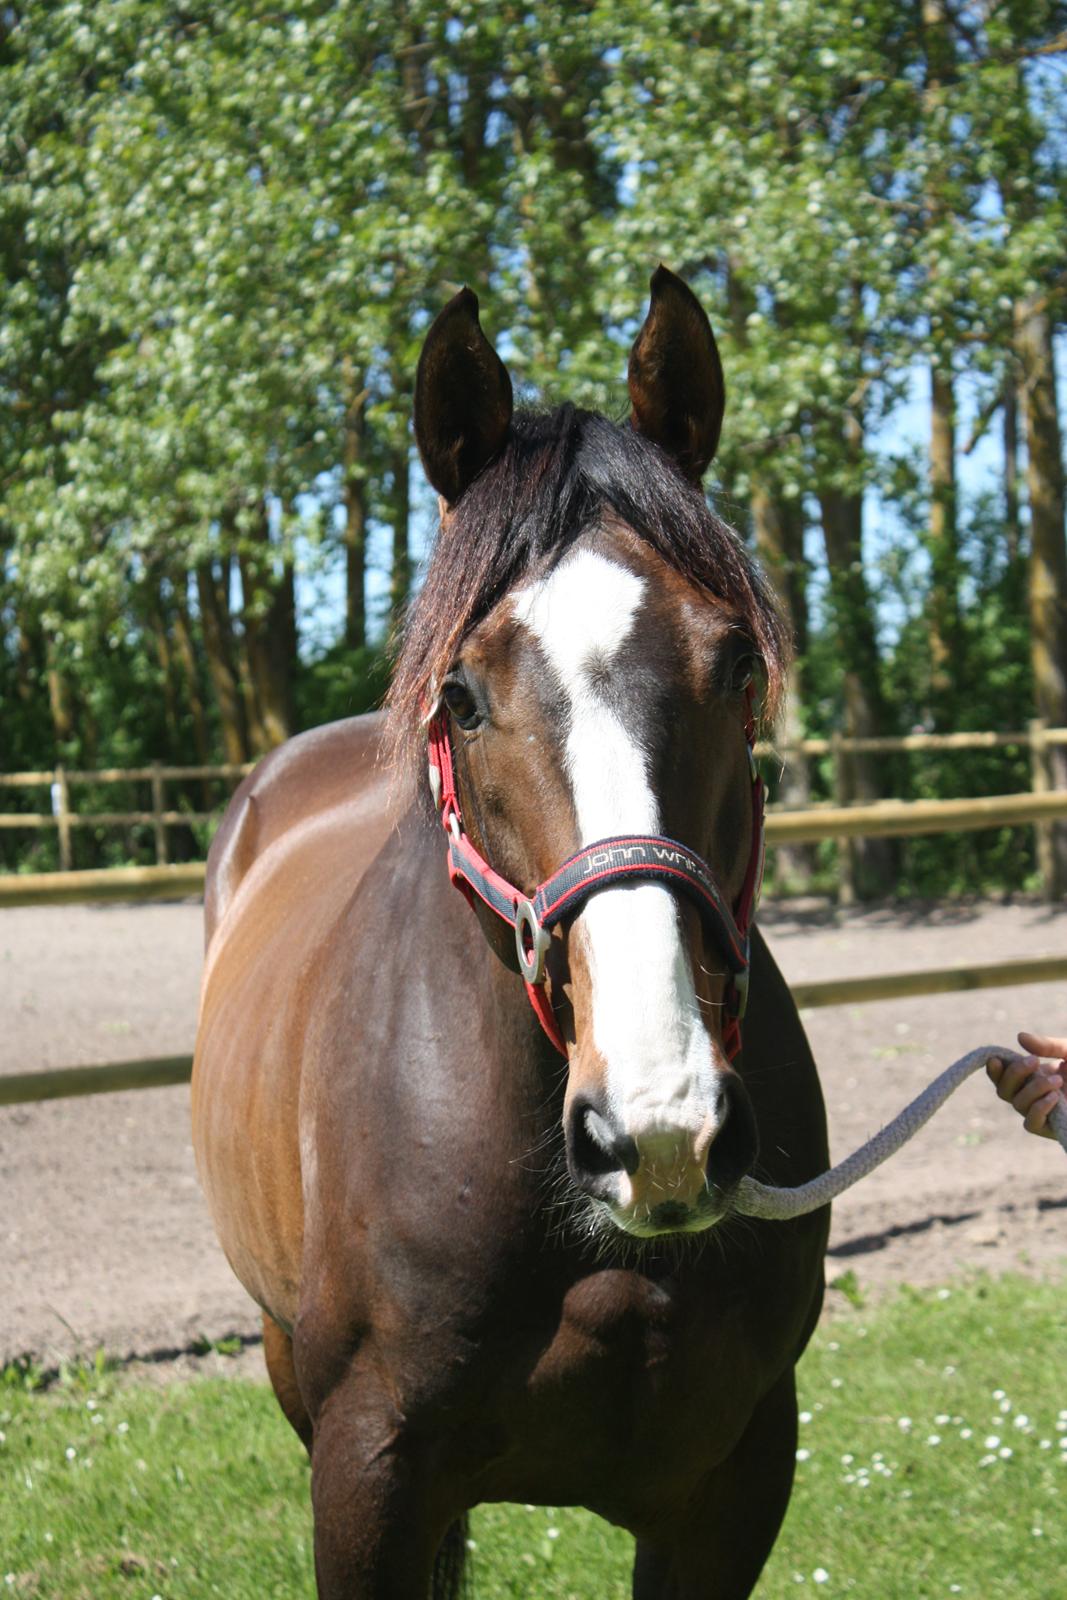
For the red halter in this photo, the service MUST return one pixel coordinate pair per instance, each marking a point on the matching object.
(625, 858)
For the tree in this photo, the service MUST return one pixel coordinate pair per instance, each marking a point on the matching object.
(223, 233)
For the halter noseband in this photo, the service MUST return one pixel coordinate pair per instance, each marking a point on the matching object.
(624, 858)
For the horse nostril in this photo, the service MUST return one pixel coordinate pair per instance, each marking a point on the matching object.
(596, 1147)
(617, 1147)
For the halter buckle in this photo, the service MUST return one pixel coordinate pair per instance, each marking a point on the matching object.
(531, 942)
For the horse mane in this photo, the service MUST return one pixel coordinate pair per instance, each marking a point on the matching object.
(558, 471)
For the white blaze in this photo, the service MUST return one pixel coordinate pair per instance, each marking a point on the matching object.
(646, 1020)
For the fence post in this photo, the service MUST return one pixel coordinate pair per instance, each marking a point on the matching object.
(846, 875)
(157, 812)
(1041, 782)
(61, 812)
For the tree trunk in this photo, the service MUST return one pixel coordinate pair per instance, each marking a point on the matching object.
(220, 667)
(939, 48)
(267, 633)
(872, 860)
(355, 506)
(157, 623)
(944, 552)
(420, 102)
(1011, 467)
(779, 529)
(283, 645)
(400, 578)
(244, 648)
(25, 660)
(59, 698)
(474, 114)
(242, 643)
(1048, 555)
(88, 730)
(194, 699)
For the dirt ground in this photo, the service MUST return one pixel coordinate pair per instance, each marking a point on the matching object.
(105, 1240)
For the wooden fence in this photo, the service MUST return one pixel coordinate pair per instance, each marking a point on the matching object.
(63, 817)
(880, 818)
(23, 1088)
(832, 819)
(884, 819)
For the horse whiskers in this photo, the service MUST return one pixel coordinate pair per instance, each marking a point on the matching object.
(576, 1221)
(548, 1139)
(733, 1228)
(585, 1224)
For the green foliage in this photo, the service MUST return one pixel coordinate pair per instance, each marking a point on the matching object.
(22, 1373)
(225, 229)
(342, 683)
(848, 1284)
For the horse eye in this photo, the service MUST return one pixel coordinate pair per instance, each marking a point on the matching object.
(459, 700)
(742, 672)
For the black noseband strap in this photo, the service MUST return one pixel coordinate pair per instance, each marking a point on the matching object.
(633, 858)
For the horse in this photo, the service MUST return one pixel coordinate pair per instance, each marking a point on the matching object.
(473, 1153)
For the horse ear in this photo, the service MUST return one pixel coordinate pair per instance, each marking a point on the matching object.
(676, 382)
(462, 399)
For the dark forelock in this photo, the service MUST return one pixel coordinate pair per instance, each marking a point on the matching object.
(558, 471)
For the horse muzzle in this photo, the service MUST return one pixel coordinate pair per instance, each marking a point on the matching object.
(653, 1178)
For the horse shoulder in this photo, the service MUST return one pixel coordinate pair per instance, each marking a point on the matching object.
(311, 773)
(292, 850)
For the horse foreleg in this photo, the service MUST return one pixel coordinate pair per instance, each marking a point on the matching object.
(376, 1531)
(278, 1354)
(718, 1549)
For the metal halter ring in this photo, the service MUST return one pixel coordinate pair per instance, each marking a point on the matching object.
(531, 942)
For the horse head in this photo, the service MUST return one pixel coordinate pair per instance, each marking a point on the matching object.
(589, 638)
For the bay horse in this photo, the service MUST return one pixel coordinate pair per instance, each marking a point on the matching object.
(492, 1240)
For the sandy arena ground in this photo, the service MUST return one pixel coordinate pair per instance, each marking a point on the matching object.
(105, 1241)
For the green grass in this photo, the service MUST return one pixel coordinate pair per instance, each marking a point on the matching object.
(109, 1489)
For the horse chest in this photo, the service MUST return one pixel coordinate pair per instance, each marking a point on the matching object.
(647, 1367)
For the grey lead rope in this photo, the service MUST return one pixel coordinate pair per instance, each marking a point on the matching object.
(754, 1199)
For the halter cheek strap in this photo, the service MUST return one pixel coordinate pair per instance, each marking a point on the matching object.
(624, 858)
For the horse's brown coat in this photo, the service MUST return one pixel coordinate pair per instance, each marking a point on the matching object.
(378, 1125)
(424, 1272)
(274, 890)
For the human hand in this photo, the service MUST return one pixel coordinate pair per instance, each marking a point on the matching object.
(1031, 1085)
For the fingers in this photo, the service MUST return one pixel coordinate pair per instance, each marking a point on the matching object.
(1039, 1087)
(1036, 1120)
(1011, 1077)
(1040, 1044)
(1032, 1087)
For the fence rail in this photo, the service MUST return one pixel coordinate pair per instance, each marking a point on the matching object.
(106, 883)
(883, 819)
(64, 818)
(24, 1088)
(1036, 733)
(898, 819)
(834, 819)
